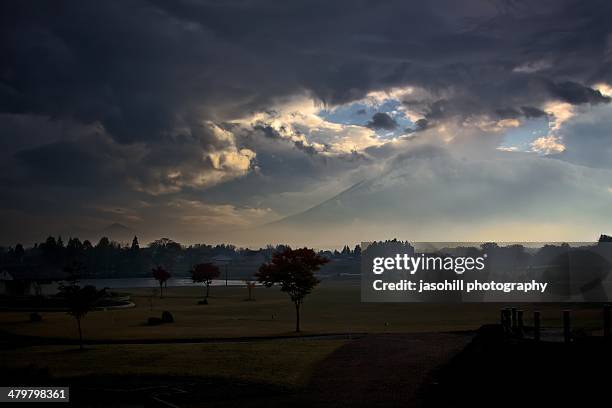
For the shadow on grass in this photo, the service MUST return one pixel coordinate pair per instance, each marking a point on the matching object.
(497, 371)
(111, 391)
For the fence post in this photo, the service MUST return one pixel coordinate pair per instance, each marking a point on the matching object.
(606, 319)
(566, 326)
(536, 325)
(507, 320)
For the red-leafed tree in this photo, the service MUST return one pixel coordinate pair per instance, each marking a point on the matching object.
(293, 270)
(205, 273)
(161, 275)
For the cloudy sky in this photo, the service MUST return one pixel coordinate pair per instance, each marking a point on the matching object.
(255, 120)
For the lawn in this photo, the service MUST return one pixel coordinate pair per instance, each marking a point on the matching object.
(286, 363)
(333, 307)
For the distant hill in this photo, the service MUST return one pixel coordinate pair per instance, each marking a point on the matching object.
(118, 232)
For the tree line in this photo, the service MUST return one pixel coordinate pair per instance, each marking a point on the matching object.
(108, 258)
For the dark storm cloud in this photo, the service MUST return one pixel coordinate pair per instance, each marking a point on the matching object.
(528, 112)
(78, 166)
(419, 126)
(485, 99)
(271, 133)
(251, 138)
(381, 120)
(143, 68)
(149, 74)
(574, 93)
(531, 112)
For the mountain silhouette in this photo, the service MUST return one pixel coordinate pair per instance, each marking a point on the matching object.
(441, 198)
(118, 232)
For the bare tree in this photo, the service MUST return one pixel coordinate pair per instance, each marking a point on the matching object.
(250, 284)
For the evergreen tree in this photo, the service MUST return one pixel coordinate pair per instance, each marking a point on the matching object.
(135, 245)
(19, 252)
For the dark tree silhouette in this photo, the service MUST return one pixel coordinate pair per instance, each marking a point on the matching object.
(135, 246)
(205, 273)
(165, 252)
(80, 301)
(161, 275)
(75, 270)
(104, 243)
(294, 271)
(19, 252)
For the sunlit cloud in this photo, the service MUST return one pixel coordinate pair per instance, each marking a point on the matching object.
(299, 120)
(560, 112)
(547, 145)
(604, 88)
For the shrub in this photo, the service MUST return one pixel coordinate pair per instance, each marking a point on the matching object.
(167, 317)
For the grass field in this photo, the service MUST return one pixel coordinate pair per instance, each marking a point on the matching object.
(333, 307)
(243, 366)
(286, 363)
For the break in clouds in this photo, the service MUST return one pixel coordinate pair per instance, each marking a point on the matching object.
(310, 122)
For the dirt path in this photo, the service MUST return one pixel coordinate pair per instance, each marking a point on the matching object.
(382, 370)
